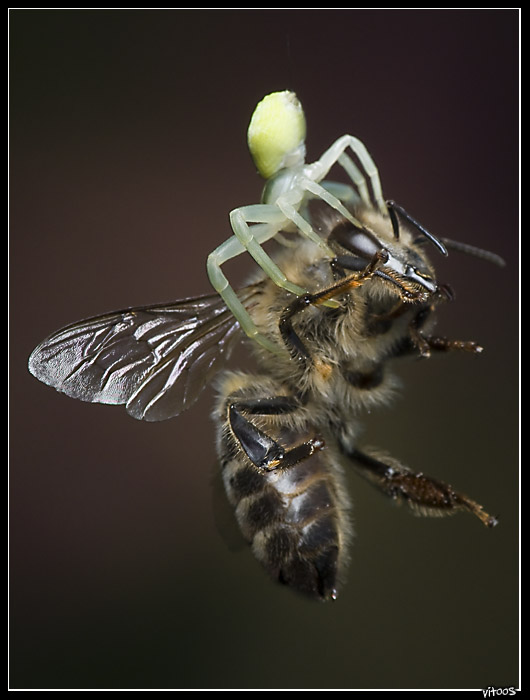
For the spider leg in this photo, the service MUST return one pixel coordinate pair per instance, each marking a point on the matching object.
(226, 251)
(283, 240)
(268, 220)
(290, 213)
(284, 211)
(356, 177)
(318, 190)
(271, 220)
(341, 191)
(334, 153)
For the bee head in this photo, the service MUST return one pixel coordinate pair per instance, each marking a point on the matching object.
(403, 263)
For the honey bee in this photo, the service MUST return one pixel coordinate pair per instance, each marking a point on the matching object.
(287, 432)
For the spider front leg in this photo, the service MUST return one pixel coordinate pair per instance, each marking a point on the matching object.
(268, 220)
(336, 154)
(226, 251)
(345, 193)
(307, 185)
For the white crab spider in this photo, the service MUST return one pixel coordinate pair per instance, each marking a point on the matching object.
(276, 139)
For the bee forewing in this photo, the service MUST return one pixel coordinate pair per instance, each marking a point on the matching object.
(154, 359)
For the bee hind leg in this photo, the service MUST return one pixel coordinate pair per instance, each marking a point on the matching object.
(424, 495)
(262, 450)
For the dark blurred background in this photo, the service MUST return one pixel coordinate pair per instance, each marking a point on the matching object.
(128, 149)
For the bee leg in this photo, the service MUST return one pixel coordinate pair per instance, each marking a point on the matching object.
(296, 347)
(262, 450)
(417, 342)
(425, 344)
(426, 496)
(441, 344)
(294, 344)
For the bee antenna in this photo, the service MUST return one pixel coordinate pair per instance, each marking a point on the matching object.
(394, 208)
(393, 218)
(486, 255)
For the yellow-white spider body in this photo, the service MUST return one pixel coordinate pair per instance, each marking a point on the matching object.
(276, 139)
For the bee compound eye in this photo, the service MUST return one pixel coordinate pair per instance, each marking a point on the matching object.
(356, 240)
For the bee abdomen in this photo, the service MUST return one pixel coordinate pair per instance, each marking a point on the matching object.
(292, 520)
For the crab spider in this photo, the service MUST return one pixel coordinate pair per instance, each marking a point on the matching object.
(276, 140)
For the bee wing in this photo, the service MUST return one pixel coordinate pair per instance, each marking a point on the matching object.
(154, 359)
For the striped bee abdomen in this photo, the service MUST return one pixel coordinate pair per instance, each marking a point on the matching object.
(293, 512)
